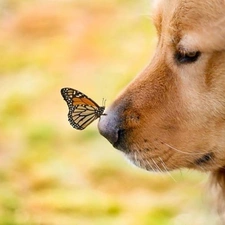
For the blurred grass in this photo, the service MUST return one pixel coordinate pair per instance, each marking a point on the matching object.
(51, 174)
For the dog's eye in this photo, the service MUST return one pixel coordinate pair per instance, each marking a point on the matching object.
(187, 57)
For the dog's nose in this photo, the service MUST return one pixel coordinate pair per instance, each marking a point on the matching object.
(108, 127)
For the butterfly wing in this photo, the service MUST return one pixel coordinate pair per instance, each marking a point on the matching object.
(82, 110)
(81, 116)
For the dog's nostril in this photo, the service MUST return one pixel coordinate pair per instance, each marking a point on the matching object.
(120, 135)
(108, 128)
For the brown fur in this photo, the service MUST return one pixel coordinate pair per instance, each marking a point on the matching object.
(172, 115)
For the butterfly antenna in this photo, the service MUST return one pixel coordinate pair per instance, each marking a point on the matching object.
(103, 102)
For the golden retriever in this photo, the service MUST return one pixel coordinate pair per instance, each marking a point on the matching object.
(172, 115)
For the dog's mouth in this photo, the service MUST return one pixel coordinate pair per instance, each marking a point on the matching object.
(161, 159)
(145, 164)
(137, 156)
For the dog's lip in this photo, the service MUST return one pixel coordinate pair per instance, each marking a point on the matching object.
(117, 145)
(121, 147)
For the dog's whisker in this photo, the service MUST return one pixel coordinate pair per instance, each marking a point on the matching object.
(189, 153)
(141, 165)
(149, 164)
(167, 171)
(157, 166)
(181, 172)
(136, 161)
(178, 150)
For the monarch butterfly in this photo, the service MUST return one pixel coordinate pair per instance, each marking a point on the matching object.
(82, 110)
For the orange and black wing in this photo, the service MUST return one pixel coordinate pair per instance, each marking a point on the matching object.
(82, 110)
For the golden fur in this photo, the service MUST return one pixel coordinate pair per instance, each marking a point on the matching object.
(172, 115)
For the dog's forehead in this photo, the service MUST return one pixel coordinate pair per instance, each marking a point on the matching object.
(189, 12)
(193, 24)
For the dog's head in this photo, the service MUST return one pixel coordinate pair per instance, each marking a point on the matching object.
(172, 114)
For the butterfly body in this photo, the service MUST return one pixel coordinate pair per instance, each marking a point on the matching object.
(82, 109)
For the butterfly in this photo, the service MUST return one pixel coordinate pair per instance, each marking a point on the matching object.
(82, 110)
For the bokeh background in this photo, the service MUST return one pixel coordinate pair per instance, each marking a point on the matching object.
(51, 174)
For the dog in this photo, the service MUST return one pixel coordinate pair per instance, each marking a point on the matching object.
(172, 115)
